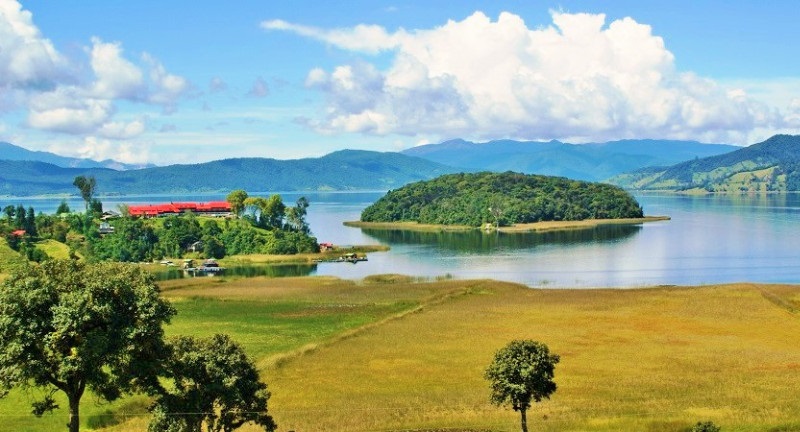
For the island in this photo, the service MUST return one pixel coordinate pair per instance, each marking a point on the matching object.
(509, 202)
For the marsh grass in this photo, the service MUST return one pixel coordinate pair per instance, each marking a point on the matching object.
(390, 353)
(637, 360)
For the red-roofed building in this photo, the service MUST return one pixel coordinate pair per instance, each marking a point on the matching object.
(214, 208)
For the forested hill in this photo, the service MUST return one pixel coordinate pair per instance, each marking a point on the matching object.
(772, 165)
(341, 170)
(593, 162)
(475, 199)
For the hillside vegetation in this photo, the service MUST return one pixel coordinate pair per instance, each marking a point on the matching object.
(502, 198)
(769, 166)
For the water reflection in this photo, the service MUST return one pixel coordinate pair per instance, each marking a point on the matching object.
(471, 242)
(276, 270)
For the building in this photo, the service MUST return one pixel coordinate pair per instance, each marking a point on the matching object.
(213, 208)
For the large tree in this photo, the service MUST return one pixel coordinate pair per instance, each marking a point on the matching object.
(236, 199)
(210, 382)
(86, 186)
(67, 326)
(522, 372)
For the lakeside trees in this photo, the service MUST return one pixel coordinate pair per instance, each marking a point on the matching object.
(271, 227)
(501, 199)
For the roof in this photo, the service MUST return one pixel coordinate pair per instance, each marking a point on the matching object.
(179, 207)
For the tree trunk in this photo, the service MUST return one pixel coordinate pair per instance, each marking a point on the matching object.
(524, 419)
(74, 413)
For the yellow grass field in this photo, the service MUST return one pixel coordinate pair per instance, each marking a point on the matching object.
(651, 359)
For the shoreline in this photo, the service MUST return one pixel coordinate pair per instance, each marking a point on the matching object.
(518, 228)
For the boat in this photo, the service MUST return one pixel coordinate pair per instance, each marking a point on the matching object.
(348, 257)
(210, 267)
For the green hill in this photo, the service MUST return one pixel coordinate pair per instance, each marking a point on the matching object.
(341, 170)
(769, 166)
(506, 198)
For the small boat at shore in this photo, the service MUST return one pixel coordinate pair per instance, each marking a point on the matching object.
(349, 257)
(210, 267)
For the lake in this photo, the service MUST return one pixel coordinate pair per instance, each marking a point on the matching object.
(710, 239)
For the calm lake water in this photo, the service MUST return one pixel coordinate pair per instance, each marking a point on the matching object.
(710, 239)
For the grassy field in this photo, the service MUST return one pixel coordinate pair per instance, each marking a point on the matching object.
(389, 354)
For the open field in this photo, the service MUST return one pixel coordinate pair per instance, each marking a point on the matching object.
(528, 227)
(390, 354)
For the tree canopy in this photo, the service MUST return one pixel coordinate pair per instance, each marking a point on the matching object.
(501, 198)
(68, 326)
(212, 382)
(522, 372)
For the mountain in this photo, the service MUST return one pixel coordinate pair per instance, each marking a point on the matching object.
(772, 165)
(341, 170)
(12, 152)
(594, 162)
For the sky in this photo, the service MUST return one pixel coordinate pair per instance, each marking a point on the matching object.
(193, 81)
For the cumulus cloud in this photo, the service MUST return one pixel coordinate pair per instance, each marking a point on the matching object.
(70, 96)
(578, 79)
(26, 57)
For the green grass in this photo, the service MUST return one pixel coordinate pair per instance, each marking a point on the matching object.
(267, 328)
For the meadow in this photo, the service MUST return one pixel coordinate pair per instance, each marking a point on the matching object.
(393, 353)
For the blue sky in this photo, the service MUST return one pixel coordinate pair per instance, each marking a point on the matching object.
(192, 81)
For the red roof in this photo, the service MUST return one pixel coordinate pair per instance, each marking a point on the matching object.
(177, 208)
(18, 233)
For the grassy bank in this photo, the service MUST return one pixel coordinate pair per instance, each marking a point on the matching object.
(391, 354)
(528, 227)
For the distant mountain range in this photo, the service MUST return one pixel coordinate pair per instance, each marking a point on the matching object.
(10, 151)
(680, 165)
(593, 162)
(341, 170)
(772, 165)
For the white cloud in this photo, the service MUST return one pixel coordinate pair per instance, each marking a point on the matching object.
(577, 79)
(366, 38)
(167, 87)
(26, 57)
(58, 95)
(121, 130)
(115, 77)
(68, 110)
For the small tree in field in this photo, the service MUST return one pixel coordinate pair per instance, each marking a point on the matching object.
(70, 327)
(520, 373)
(706, 427)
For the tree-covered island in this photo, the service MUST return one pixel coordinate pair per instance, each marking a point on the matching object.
(501, 200)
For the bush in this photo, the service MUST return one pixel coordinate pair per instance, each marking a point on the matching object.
(705, 427)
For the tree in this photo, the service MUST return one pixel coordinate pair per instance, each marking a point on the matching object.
(30, 222)
(296, 216)
(63, 207)
(68, 326)
(86, 186)
(236, 199)
(522, 372)
(211, 382)
(10, 211)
